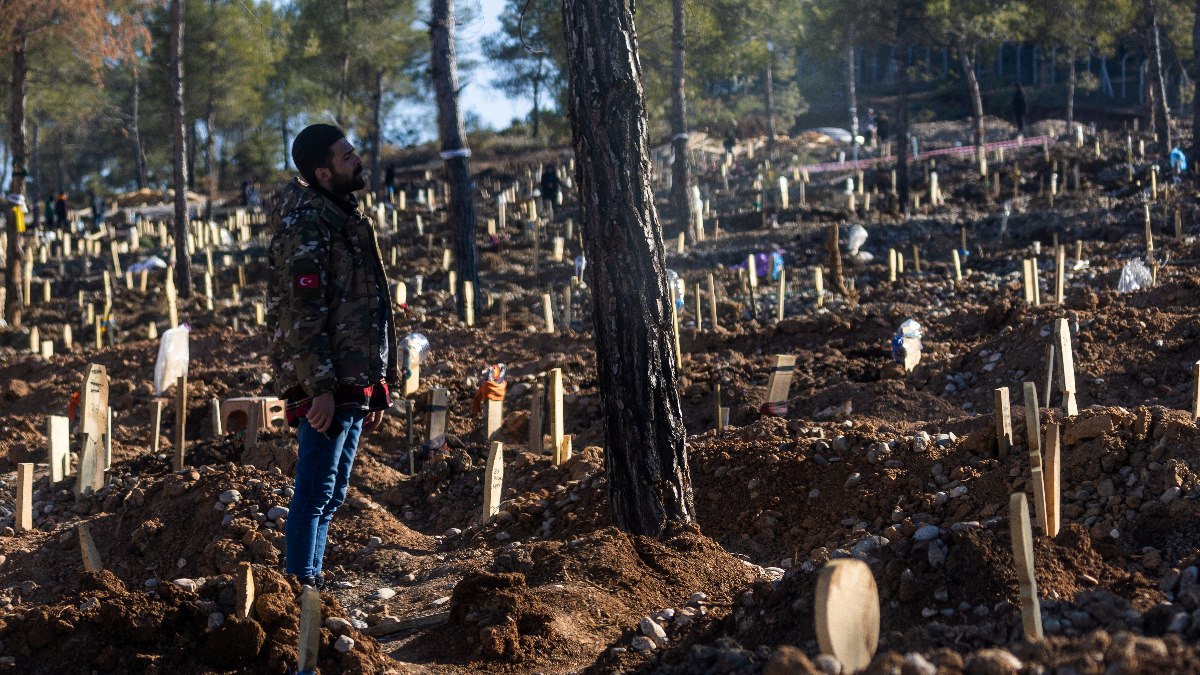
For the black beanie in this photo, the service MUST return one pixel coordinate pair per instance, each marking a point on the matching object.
(311, 149)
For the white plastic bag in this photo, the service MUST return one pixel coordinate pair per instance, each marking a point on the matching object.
(856, 238)
(1134, 276)
(172, 358)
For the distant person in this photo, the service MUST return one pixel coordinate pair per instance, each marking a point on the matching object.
(730, 142)
(333, 341)
(883, 127)
(550, 184)
(1020, 108)
(389, 181)
(97, 203)
(48, 212)
(60, 211)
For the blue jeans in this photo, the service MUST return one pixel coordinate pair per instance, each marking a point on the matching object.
(322, 476)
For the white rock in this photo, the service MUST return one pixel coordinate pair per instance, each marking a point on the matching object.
(277, 512)
(383, 594)
(89, 604)
(926, 533)
(186, 584)
(230, 497)
(919, 665)
(652, 630)
(697, 598)
(642, 644)
(337, 624)
(344, 644)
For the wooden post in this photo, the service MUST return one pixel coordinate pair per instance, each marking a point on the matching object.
(243, 583)
(566, 307)
(819, 285)
(699, 314)
(916, 256)
(536, 440)
(493, 481)
(215, 406)
(172, 300)
(712, 302)
(1060, 274)
(548, 312)
(1050, 474)
(781, 296)
(310, 631)
(1003, 422)
(556, 408)
(564, 450)
(87, 547)
(891, 265)
(1196, 391)
(438, 407)
(779, 382)
(58, 432)
(180, 421)
(254, 420)
(469, 302)
(1027, 279)
(92, 426)
(494, 418)
(159, 404)
(1033, 417)
(957, 266)
(846, 613)
(24, 515)
(1022, 542)
(1066, 367)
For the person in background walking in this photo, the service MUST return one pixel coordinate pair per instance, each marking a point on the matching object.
(1020, 108)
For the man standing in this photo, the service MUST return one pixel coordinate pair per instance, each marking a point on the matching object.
(1020, 108)
(333, 343)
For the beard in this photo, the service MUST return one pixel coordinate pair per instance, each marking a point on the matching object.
(345, 184)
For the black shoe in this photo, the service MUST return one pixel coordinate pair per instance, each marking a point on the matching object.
(317, 582)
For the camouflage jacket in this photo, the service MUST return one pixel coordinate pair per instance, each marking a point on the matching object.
(325, 276)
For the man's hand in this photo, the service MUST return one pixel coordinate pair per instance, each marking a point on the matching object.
(320, 413)
(373, 419)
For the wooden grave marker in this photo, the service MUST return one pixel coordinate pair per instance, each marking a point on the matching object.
(781, 296)
(548, 313)
(1033, 421)
(156, 438)
(1066, 367)
(215, 405)
(957, 265)
(536, 441)
(556, 408)
(1196, 391)
(564, 450)
(93, 422)
(181, 394)
(469, 303)
(1003, 414)
(1060, 274)
(779, 382)
(59, 434)
(24, 515)
(1022, 543)
(243, 583)
(87, 547)
(1051, 472)
(493, 485)
(846, 613)
(310, 630)
(439, 404)
(712, 302)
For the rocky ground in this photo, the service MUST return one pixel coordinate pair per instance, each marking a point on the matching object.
(898, 469)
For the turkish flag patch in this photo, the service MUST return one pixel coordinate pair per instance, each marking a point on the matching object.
(308, 282)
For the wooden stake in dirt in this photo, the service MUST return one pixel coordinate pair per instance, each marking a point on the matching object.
(253, 423)
(957, 266)
(59, 434)
(1066, 367)
(1033, 432)
(916, 256)
(24, 522)
(215, 406)
(1196, 391)
(1022, 542)
(93, 417)
(779, 383)
(180, 421)
(493, 485)
(159, 404)
(557, 429)
(699, 314)
(846, 613)
(1027, 278)
(564, 451)
(712, 302)
(243, 583)
(1033, 417)
(439, 402)
(536, 440)
(469, 302)
(1149, 233)
(819, 285)
(494, 418)
(548, 313)
(1051, 478)
(87, 547)
(1003, 415)
(310, 630)
(891, 265)
(1060, 274)
(781, 296)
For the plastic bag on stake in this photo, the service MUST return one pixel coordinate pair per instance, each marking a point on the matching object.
(172, 358)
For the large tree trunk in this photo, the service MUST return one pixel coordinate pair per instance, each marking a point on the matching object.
(681, 200)
(183, 267)
(344, 75)
(1071, 90)
(536, 113)
(968, 64)
(901, 128)
(1156, 78)
(1196, 78)
(635, 361)
(15, 255)
(770, 102)
(454, 146)
(210, 157)
(135, 131)
(852, 90)
(376, 128)
(35, 185)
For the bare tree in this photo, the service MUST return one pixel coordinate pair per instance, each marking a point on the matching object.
(680, 169)
(183, 267)
(644, 454)
(454, 145)
(1159, 100)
